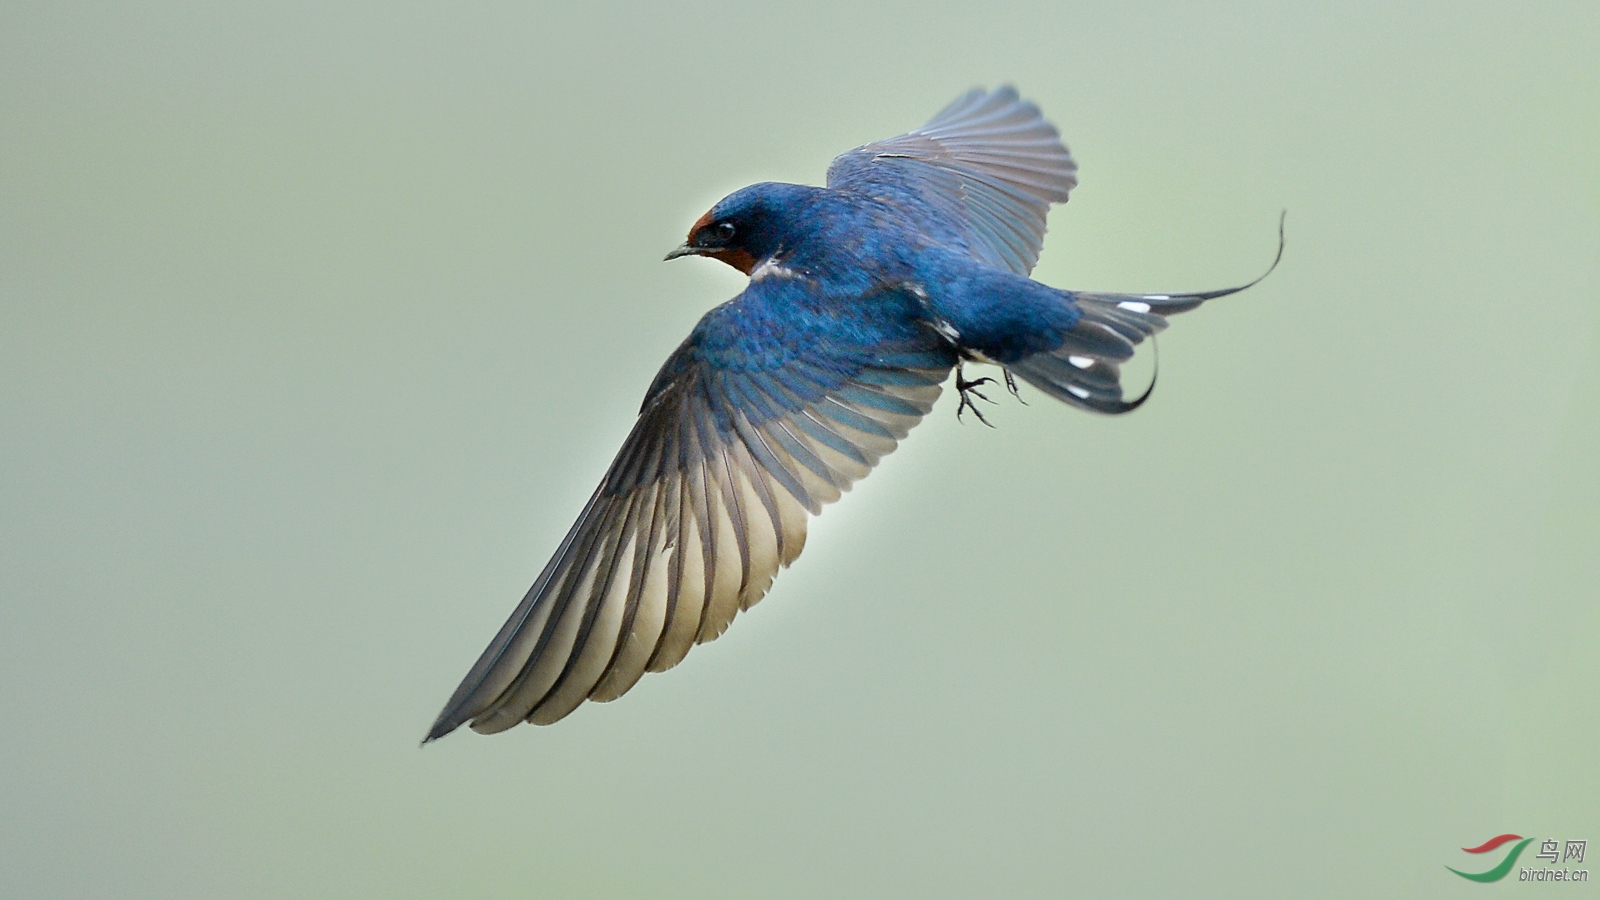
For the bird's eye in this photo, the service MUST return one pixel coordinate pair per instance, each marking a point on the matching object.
(724, 231)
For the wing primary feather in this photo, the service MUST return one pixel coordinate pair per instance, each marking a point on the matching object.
(725, 574)
(873, 444)
(649, 491)
(830, 437)
(803, 419)
(599, 626)
(645, 566)
(494, 671)
(737, 512)
(837, 409)
(700, 495)
(847, 468)
(639, 570)
(685, 568)
(817, 490)
(762, 529)
(607, 600)
(862, 395)
(756, 441)
(759, 472)
(550, 654)
(645, 614)
(896, 424)
(796, 447)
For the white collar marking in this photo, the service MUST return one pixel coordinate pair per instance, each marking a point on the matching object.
(771, 268)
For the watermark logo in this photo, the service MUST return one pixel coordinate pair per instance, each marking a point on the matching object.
(1551, 851)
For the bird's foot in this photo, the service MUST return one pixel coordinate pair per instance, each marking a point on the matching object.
(969, 389)
(1011, 385)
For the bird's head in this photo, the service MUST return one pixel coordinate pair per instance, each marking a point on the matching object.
(746, 227)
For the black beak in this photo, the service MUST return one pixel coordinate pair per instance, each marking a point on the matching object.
(685, 250)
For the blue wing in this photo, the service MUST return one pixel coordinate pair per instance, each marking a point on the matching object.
(982, 173)
(779, 400)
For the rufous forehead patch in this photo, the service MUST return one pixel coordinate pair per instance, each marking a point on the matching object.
(700, 223)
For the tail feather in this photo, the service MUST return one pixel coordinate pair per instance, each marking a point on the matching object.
(1085, 369)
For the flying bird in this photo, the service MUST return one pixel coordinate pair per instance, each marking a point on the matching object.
(863, 296)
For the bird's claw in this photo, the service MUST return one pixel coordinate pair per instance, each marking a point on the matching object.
(968, 390)
(1011, 385)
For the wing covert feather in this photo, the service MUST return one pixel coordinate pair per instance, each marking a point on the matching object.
(984, 172)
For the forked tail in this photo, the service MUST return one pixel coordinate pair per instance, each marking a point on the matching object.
(1085, 370)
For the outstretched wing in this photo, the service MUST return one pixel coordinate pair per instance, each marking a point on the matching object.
(777, 402)
(983, 172)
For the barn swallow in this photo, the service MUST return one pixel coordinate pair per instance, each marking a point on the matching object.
(863, 296)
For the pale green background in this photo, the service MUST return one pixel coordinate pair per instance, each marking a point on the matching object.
(320, 322)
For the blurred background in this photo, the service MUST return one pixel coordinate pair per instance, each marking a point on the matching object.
(319, 322)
